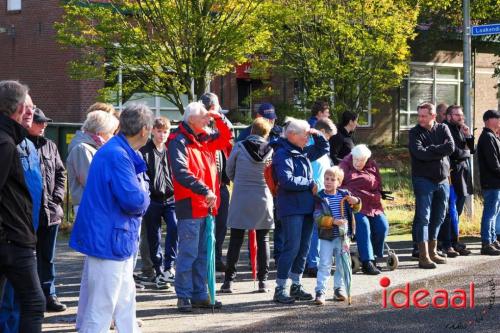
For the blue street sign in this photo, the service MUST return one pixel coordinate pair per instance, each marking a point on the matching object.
(487, 29)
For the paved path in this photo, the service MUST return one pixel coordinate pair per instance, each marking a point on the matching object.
(245, 308)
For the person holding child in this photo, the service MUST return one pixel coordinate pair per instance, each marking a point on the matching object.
(334, 208)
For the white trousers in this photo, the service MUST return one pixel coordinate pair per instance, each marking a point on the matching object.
(107, 291)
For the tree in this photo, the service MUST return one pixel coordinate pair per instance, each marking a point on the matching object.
(345, 51)
(163, 47)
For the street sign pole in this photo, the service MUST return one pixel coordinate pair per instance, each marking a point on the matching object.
(467, 107)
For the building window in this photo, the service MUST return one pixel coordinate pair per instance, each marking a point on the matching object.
(429, 83)
(13, 5)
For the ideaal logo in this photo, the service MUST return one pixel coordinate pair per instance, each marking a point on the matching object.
(423, 298)
(440, 299)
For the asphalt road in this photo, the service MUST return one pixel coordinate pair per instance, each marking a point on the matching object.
(367, 315)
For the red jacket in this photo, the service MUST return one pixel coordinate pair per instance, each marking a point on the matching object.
(365, 184)
(194, 170)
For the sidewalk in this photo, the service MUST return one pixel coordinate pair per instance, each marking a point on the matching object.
(244, 307)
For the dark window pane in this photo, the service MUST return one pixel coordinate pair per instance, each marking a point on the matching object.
(447, 73)
(447, 93)
(421, 72)
(419, 93)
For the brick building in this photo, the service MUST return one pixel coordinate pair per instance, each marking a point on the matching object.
(29, 52)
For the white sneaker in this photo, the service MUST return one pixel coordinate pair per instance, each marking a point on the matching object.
(169, 276)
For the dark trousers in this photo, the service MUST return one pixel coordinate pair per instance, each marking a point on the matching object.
(221, 222)
(153, 217)
(233, 253)
(45, 253)
(18, 265)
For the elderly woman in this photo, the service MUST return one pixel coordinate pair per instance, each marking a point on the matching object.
(108, 222)
(251, 206)
(96, 130)
(295, 204)
(362, 179)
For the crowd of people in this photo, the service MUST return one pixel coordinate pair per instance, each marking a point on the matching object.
(305, 181)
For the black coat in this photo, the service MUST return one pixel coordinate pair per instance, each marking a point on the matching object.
(54, 181)
(341, 145)
(488, 155)
(461, 176)
(429, 151)
(16, 207)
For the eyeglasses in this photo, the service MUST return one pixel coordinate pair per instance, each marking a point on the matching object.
(32, 107)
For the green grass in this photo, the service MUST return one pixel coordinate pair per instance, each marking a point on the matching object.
(400, 211)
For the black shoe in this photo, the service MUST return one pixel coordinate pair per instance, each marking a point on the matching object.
(374, 262)
(53, 304)
(496, 244)
(263, 288)
(206, 304)
(297, 291)
(369, 268)
(281, 296)
(139, 286)
(463, 251)
(415, 253)
(226, 287)
(490, 250)
(311, 272)
(184, 305)
(220, 267)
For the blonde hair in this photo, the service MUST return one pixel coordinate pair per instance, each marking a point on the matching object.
(336, 172)
(261, 127)
(106, 107)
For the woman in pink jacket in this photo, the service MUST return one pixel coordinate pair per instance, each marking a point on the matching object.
(362, 179)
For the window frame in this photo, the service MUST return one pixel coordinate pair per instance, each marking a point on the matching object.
(434, 81)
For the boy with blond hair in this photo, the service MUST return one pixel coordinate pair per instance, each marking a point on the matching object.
(334, 227)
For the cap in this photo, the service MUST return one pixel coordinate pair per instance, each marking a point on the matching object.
(491, 114)
(39, 117)
(266, 110)
(209, 99)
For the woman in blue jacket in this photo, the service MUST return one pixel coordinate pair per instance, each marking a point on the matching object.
(108, 223)
(295, 203)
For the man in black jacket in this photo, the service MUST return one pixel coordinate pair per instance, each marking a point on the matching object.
(51, 212)
(17, 234)
(430, 144)
(461, 179)
(488, 154)
(162, 205)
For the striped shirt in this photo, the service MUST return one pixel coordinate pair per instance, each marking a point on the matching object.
(334, 204)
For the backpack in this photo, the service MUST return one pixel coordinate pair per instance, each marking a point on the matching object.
(271, 179)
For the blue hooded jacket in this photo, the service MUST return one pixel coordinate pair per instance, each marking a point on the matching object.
(114, 200)
(292, 167)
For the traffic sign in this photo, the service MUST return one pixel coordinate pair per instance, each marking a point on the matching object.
(487, 29)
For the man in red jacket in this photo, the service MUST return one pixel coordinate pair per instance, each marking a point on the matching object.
(196, 191)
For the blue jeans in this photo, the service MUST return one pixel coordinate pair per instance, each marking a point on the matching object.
(313, 255)
(498, 226)
(152, 219)
(221, 222)
(491, 210)
(191, 270)
(431, 203)
(296, 232)
(448, 233)
(45, 252)
(327, 250)
(371, 233)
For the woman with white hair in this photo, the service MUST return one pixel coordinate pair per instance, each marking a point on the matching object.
(96, 130)
(362, 179)
(295, 203)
